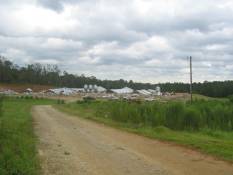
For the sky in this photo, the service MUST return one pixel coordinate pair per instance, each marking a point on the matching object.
(139, 40)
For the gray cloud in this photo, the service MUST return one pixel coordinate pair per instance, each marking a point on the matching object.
(141, 40)
(57, 5)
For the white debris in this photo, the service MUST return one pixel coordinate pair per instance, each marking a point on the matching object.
(100, 89)
(124, 90)
(94, 88)
(8, 92)
(28, 90)
(77, 90)
(144, 92)
(61, 91)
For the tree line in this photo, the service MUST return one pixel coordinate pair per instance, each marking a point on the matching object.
(52, 75)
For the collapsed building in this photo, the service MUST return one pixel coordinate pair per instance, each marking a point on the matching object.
(125, 90)
(94, 88)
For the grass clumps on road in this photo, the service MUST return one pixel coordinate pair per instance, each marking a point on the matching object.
(17, 140)
(206, 125)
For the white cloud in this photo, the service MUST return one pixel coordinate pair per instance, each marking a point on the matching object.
(143, 40)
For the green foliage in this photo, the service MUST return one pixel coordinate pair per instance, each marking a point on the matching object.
(88, 99)
(192, 119)
(60, 101)
(17, 140)
(1, 103)
(174, 117)
(27, 97)
(230, 97)
(215, 115)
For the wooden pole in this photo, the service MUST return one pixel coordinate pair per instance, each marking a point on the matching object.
(191, 80)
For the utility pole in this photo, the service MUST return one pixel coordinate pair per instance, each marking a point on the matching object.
(191, 80)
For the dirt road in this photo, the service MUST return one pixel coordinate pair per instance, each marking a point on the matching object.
(74, 146)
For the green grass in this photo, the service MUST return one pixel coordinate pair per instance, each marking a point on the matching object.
(211, 141)
(203, 97)
(18, 154)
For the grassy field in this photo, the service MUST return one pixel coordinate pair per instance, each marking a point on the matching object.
(17, 140)
(202, 126)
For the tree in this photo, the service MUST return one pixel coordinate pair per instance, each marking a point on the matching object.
(51, 75)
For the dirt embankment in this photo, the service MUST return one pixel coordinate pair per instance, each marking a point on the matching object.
(22, 87)
(70, 145)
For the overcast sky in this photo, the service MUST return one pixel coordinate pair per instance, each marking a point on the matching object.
(142, 40)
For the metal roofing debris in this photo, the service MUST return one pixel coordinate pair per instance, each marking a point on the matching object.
(150, 91)
(28, 90)
(110, 96)
(124, 90)
(144, 92)
(94, 88)
(100, 89)
(78, 89)
(62, 91)
(8, 92)
(70, 91)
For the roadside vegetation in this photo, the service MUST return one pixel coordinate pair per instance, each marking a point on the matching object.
(17, 140)
(206, 125)
(1, 101)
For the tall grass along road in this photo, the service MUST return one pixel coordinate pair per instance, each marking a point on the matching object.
(18, 155)
(71, 145)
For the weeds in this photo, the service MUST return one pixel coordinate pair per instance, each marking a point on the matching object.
(201, 114)
(1, 103)
(60, 101)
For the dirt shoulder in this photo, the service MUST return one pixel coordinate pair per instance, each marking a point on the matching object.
(71, 145)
